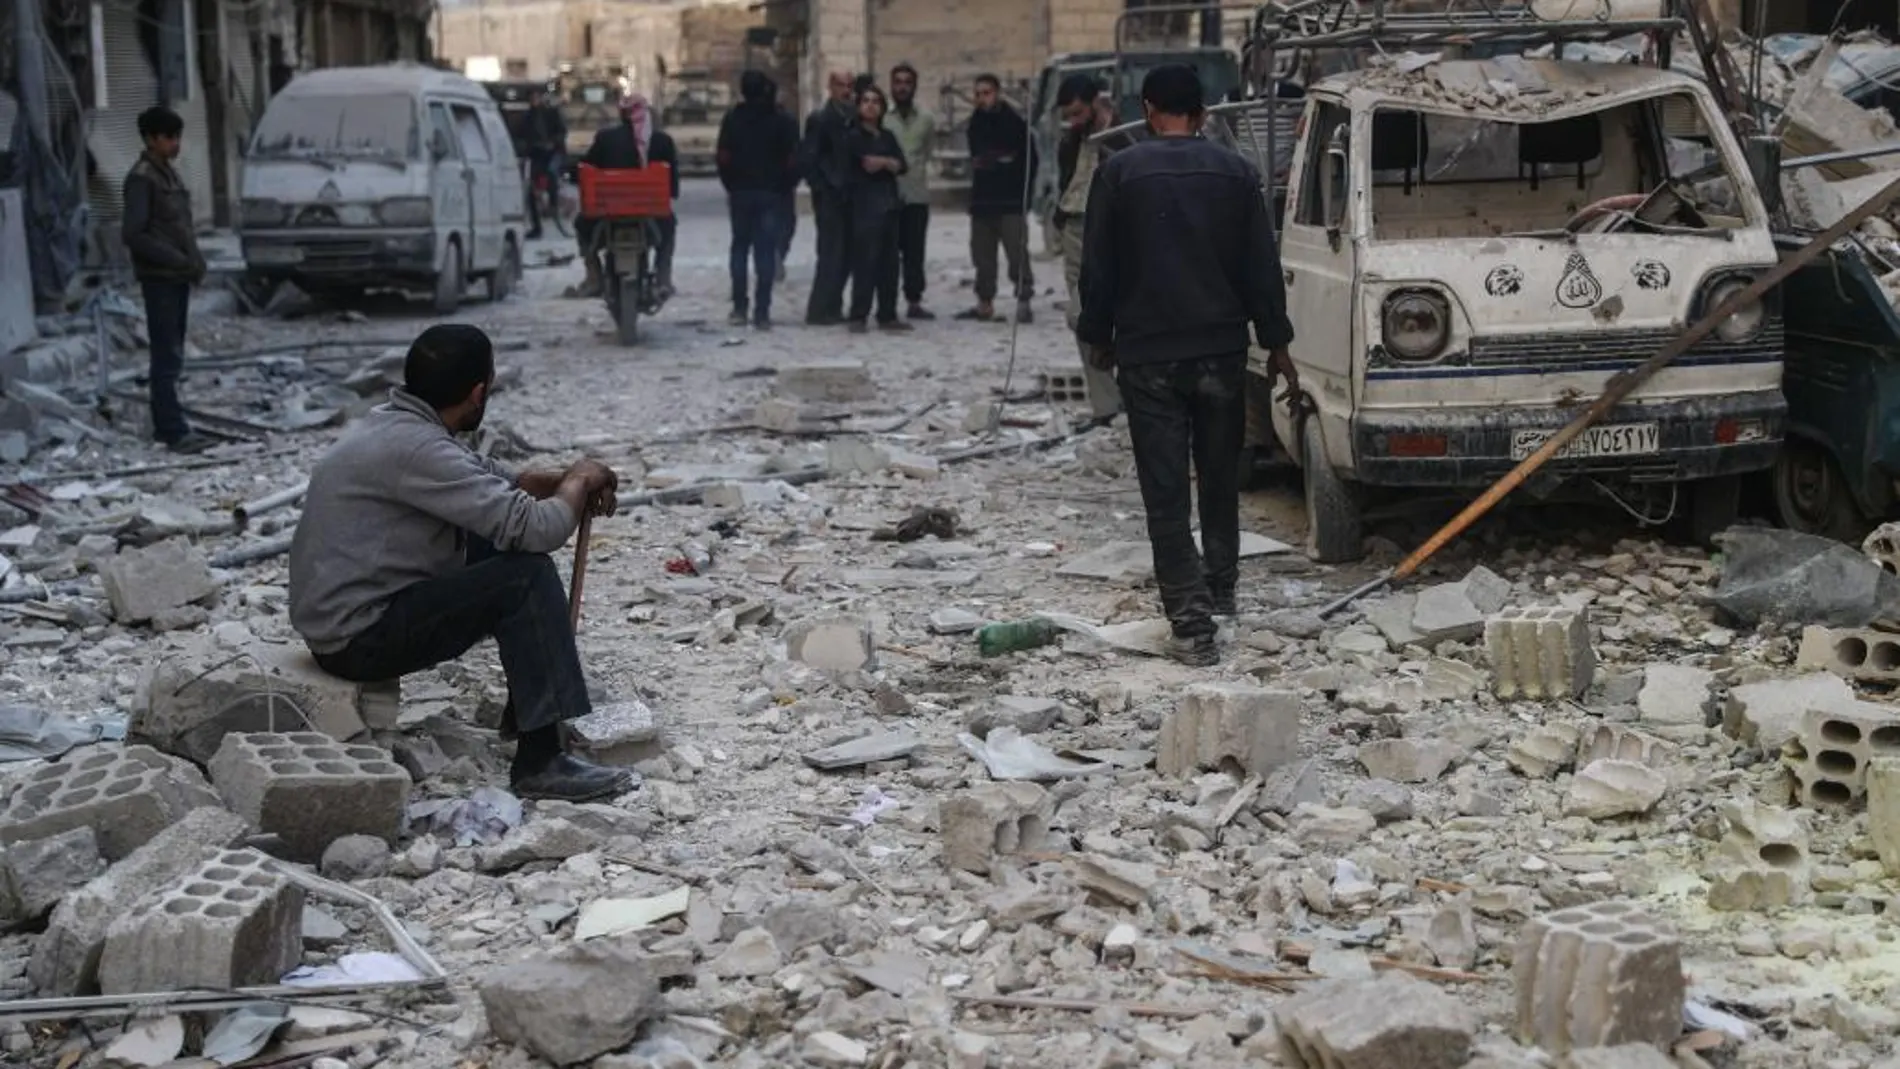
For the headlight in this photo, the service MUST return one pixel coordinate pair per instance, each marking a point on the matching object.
(1747, 320)
(1417, 325)
(255, 212)
(405, 211)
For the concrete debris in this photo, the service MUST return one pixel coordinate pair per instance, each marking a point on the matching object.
(1597, 975)
(574, 1003)
(993, 820)
(155, 583)
(1545, 751)
(1409, 760)
(834, 381)
(832, 644)
(1230, 727)
(1763, 862)
(1830, 754)
(126, 795)
(309, 790)
(1610, 788)
(1768, 714)
(1375, 1024)
(37, 873)
(1675, 696)
(1883, 811)
(355, 857)
(233, 922)
(1540, 654)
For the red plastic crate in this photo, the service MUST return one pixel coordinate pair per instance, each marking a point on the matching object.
(617, 193)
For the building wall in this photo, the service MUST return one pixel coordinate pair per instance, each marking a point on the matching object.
(1082, 25)
(954, 41)
(544, 33)
(839, 40)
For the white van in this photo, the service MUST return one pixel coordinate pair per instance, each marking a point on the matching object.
(383, 177)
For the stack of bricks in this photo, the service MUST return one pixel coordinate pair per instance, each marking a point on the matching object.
(1540, 654)
(125, 794)
(1830, 755)
(1853, 653)
(1598, 975)
(310, 790)
(234, 922)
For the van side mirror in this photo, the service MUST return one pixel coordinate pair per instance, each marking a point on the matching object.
(439, 147)
(1333, 189)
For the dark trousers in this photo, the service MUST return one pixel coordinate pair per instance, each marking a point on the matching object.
(167, 304)
(1176, 411)
(755, 236)
(539, 166)
(874, 265)
(788, 215)
(514, 597)
(668, 237)
(1011, 234)
(913, 232)
(833, 212)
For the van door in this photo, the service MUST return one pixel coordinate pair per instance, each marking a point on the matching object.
(511, 200)
(480, 156)
(1317, 258)
(449, 184)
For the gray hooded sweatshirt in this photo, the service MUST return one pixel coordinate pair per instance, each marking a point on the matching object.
(392, 504)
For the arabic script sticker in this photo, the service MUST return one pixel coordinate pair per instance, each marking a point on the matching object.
(1651, 274)
(1578, 288)
(1505, 280)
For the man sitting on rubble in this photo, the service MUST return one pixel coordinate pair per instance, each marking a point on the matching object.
(413, 548)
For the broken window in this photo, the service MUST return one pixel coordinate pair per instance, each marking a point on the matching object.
(343, 126)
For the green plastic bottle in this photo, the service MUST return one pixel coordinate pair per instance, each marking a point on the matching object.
(994, 640)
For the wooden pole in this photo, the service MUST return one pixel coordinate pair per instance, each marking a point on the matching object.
(581, 538)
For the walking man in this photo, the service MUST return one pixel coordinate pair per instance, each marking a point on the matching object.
(1085, 111)
(1002, 162)
(758, 154)
(1179, 261)
(547, 137)
(459, 554)
(824, 166)
(916, 133)
(163, 244)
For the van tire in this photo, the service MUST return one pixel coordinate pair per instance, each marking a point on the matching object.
(1335, 526)
(1812, 496)
(507, 274)
(450, 282)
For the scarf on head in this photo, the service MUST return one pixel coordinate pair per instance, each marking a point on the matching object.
(635, 110)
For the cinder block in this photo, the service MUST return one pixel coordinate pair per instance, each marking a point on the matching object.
(1882, 545)
(125, 794)
(1768, 714)
(1230, 727)
(191, 701)
(1763, 861)
(1852, 653)
(1064, 387)
(993, 820)
(35, 875)
(66, 956)
(1883, 810)
(1829, 756)
(1540, 654)
(1598, 975)
(835, 381)
(148, 582)
(234, 922)
(310, 790)
(1391, 1021)
(1604, 741)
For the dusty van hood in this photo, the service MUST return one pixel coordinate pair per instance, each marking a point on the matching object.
(339, 183)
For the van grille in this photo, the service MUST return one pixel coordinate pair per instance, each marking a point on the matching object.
(1516, 350)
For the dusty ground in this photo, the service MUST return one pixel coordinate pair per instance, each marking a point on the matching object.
(766, 839)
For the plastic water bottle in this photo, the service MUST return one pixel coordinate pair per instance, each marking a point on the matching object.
(993, 640)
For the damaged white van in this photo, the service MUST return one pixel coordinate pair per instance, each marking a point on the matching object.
(1474, 248)
(399, 177)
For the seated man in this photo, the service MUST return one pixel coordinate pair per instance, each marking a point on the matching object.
(413, 548)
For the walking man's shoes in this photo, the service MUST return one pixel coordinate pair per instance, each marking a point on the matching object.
(1195, 651)
(567, 778)
(919, 313)
(190, 442)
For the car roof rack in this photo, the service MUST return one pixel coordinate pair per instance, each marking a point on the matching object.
(1398, 25)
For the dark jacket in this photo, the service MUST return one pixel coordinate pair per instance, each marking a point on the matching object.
(1002, 162)
(157, 228)
(821, 156)
(873, 193)
(616, 146)
(1178, 256)
(546, 130)
(758, 148)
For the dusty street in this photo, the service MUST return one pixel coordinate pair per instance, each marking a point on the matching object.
(1338, 799)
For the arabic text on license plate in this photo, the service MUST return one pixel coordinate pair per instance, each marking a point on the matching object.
(1616, 440)
(276, 254)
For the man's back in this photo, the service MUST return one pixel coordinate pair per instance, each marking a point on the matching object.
(614, 146)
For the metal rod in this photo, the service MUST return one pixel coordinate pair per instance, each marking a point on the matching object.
(1847, 155)
(251, 554)
(290, 495)
(581, 538)
(1377, 582)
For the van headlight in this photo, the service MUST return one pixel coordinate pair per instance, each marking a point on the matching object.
(1747, 320)
(1417, 324)
(405, 211)
(259, 212)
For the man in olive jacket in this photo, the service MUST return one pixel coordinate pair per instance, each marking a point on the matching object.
(158, 235)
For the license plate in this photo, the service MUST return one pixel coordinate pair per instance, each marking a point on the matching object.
(275, 254)
(1615, 440)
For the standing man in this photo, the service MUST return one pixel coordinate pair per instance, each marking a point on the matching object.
(1085, 111)
(758, 154)
(1002, 161)
(163, 244)
(459, 554)
(547, 136)
(916, 131)
(824, 167)
(1179, 260)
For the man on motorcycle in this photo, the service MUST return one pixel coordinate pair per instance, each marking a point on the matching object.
(625, 145)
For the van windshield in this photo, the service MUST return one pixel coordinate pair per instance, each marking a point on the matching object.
(340, 127)
(1650, 165)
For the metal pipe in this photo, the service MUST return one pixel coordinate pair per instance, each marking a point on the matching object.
(1846, 155)
(243, 513)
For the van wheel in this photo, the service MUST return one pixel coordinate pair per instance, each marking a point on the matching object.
(507, 273)
(450, 283)
(1713, 507)
(1811, 494)
(1335, 527)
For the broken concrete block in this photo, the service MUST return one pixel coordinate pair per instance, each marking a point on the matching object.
(1675, 695)
(1390, 1021)
(1604, 789)
(753, 953)
(1443, 613)
(868, 750)
(125, 794)
(1392, 615)
(832, 643)
(992, 820)
(1325, 825)
(188, 703)
(1602, 741)
(1882, 546)
(233, 922)
(66, 956)
(1546, 751)
(1597, 975)
(1540, 654)
(36, 874)
(622, 733)
(855, 456)
(784, 416)
(1029, 716)
(920, 466)
(1409, 760)
(143, 583)
(834, 381)
(355, 857)
(1126, 883)
(1762, 862)
(1768, 714)
(310, 790)
(1230, 727)
(576, 1003)
(1883, 811)
(1830, 754)
(834, 1051)
(1852, 653)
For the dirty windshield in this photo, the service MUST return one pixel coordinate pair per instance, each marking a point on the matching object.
(343, 127)
(1650, 165)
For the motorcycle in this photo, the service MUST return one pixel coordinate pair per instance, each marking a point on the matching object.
(627, 205)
